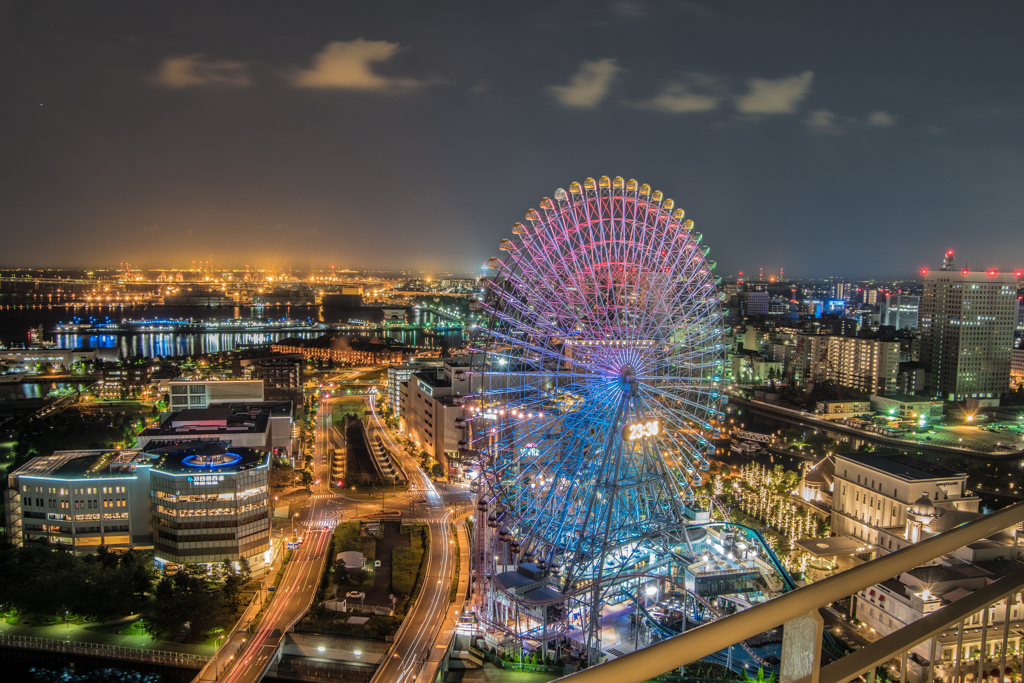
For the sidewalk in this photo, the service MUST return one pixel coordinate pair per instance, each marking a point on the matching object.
(80, 634)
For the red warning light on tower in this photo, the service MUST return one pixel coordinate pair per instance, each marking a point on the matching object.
(924, 271)
(991, 272)
(1018, 273)
(949, 253)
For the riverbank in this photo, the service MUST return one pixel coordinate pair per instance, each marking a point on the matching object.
(906, 445)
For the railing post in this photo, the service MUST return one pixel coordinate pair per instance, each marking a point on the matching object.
(983, 652)
(801, 648)
(959, 649)
(1006, 637)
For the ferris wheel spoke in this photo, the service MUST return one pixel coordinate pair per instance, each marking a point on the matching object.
(603, 314)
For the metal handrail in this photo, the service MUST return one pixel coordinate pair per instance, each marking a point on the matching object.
(880, 651)
(699, 643)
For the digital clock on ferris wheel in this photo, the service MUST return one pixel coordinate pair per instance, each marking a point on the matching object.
(636, 431)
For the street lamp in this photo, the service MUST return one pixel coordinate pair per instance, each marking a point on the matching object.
(293, 523)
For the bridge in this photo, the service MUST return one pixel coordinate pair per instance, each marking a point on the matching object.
(753, 436)
(803, 629)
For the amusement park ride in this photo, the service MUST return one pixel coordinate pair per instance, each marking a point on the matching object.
(595, 399)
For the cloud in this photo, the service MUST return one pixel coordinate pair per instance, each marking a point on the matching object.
(823, 121)
(780, 96)
(880, 119)
(679, 98)
(588, 86)
(196, 70)
(630, 9)
(349, 66)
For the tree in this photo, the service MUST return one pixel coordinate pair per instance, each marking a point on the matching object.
(232, 583)
(183, 601)
(244, 570)
(306, 478)
(437, 470)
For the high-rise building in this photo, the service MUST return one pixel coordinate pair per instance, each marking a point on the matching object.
(753, 304)
(869, 365)
(810, 359)
(967, 324)
(901, 311)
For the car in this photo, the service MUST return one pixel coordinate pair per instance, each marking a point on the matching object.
(327, 528)
(272, 589)
(355, 595)
(376, 563)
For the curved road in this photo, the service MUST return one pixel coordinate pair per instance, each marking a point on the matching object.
(414, 640)
(422, 624)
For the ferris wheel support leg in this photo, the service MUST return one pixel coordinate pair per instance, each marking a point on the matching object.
(613, 448)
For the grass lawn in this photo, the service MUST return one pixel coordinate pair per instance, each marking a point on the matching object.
(130, 628)
(346, 537)
(408, 566)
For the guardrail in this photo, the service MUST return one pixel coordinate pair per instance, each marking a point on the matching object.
(136, 654)
(798, 610)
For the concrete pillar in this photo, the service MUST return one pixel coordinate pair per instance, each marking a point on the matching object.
(801, 648)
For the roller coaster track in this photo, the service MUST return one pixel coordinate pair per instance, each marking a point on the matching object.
(666, 632)
(714, 504)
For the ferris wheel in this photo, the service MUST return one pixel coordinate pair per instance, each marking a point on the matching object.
(597, 382)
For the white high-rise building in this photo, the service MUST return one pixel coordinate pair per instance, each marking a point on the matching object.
(869, 365)
(967, 325)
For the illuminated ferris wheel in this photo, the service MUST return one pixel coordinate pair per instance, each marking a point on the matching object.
(597, 383)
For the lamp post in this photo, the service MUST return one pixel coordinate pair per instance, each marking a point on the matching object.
(216, 653)
(293, 524)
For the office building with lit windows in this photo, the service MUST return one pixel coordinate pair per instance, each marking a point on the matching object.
(198, 501)
(967, 325)
(81, 499)
(210, 503)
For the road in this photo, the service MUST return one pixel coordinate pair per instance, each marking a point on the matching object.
(437, 506)
(295, 593)
(416, 637)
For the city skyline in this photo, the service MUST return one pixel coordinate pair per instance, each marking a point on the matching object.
(825, 141)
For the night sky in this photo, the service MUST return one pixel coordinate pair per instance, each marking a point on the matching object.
(850, 139)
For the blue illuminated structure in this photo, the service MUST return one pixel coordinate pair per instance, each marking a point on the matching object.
(597, 394)
(211, 461)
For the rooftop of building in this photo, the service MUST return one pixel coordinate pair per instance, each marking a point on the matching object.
(432, 379)
(223, 418)
(905, 467)
(206, 457)
(905, 398)
(822, 472)
(93, 464)
(210, 379)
